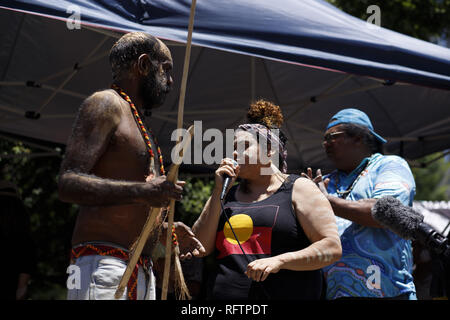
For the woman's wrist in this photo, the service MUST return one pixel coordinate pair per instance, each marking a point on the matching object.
(216, 190)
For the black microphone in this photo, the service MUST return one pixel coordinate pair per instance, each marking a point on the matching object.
(226, 183)
(408, 224)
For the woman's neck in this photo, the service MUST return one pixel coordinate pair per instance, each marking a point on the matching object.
(260, 187)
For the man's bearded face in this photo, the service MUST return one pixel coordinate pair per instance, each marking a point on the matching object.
(156, 86)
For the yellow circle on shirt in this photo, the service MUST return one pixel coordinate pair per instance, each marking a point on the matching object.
(242, 226)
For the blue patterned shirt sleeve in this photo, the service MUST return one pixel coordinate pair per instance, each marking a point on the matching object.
(394, 178)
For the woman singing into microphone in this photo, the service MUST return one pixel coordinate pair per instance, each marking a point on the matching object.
(276, 230)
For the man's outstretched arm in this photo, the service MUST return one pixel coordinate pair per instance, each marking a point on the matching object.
(97, 121)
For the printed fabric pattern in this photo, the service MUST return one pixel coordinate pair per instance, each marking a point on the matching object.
(375, 262)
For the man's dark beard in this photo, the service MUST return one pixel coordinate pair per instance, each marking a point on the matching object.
(153, 91)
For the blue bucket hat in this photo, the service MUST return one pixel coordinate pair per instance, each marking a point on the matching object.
(354, 116)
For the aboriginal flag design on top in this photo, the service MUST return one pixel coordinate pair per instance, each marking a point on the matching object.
(265, 229)
(253, 228)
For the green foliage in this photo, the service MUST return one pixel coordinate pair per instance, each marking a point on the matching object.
(196, 193)
(424, 19)
(432, 181)
(51, 221)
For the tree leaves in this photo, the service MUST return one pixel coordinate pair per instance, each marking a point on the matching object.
(428, 20)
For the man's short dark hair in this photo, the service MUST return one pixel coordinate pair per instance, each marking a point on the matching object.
(128, 49)
(355, 130)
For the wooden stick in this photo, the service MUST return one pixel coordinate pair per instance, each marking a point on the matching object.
(168, 256)
(187, 57)
(149, 225)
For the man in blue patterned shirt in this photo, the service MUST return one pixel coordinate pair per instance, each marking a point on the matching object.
(375, 262)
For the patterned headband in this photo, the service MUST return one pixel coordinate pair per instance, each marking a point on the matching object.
(269, 135)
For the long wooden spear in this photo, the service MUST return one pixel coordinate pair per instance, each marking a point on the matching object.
(168, 256)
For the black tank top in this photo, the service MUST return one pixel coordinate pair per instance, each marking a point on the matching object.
(265, 229)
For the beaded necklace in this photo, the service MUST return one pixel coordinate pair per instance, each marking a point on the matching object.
(344, 194)
(143, 130)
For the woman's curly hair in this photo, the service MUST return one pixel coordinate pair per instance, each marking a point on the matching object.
(266, 113)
